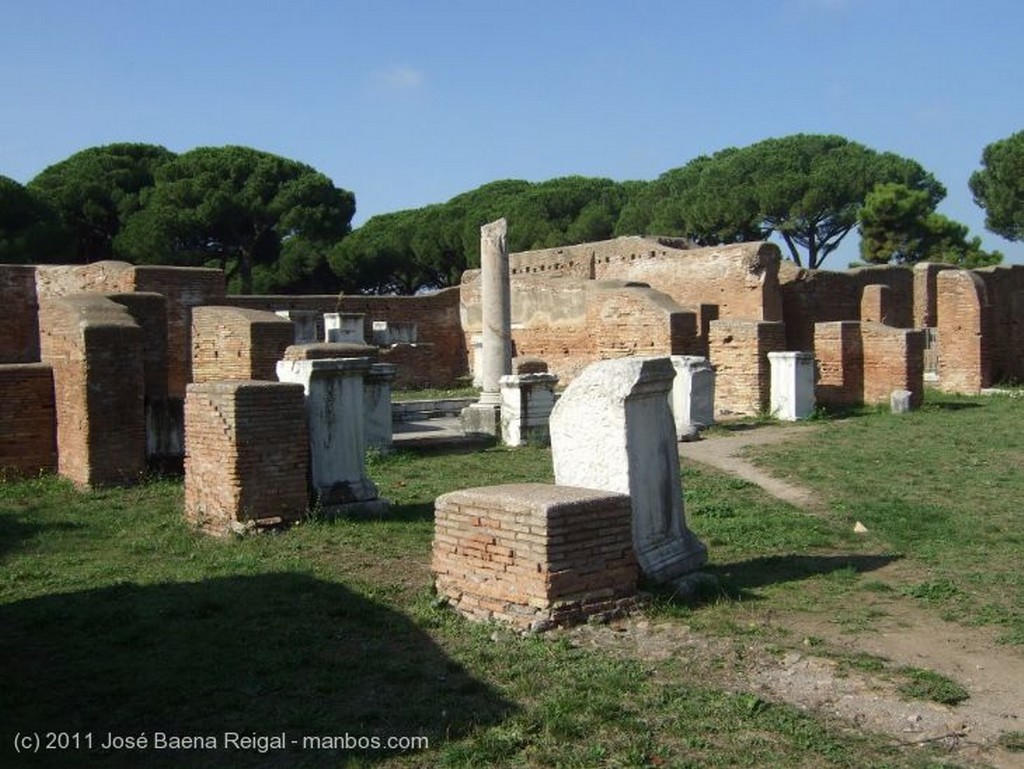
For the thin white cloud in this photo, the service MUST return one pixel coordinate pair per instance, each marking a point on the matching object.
(399, 78)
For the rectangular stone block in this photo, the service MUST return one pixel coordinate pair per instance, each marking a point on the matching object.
(246, 455)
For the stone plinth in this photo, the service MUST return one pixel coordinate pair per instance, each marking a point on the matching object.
(792, 385)
(693, 395)
(304, 322)
(526, 403)
(389, 332)
(246, 456)
(900, 401)
(534, 555)
(377, 406)
(337, 432)
(346, 327)
(612, 429)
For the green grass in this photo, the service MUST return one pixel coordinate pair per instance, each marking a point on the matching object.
(929, 685)
(115, 616)
(942, 487)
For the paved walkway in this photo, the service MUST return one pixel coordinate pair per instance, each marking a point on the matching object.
(723, 452)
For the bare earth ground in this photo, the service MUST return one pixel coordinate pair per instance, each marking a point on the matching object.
(802, 676)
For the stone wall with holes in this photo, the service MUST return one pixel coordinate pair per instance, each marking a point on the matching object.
(246, 455)
(738, 350)
(28, 421)
(236, 343)
(535, 555)
(571, 323)
(437, 359)
(96, 351)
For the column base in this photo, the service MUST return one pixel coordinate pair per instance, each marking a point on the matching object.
(481, 419)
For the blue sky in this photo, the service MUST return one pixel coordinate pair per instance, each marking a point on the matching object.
(411, 102)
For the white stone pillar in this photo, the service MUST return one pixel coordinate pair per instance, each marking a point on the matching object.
(344, 327)
(377, 402)
(526, 404)
(496, 308)
(337, 437)
(792, 393)
(693, 395)
(612, 429)
(477, 356)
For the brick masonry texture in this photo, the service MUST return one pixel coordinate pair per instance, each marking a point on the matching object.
(236, 343)
(96, 351)
(246, 454)
(438, 358)
(19, 314)
(534, 555)
(28, 421)
(739, 352)
(864, 362)
(965, 349)
(1003, 327)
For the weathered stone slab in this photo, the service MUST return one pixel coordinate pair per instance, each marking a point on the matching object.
(693, 395)
(612, 429)
(792, 393)
(526, 403)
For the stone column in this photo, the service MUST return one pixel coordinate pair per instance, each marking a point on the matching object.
(337, 433)
(792, 385)
(346, 327)
(377, 402)
(693, 395)
(612, 429)
(496, 307)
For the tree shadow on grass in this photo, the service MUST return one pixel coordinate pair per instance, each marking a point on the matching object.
(16, 529)
(268, 654)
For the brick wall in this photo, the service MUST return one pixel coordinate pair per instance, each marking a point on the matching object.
(149, 311)
(965, 350)
(839, 354)
(570, 324)
(864, 362)
(739, 352)
(534, 555)
(893, 360)
(28, 422)
(819, 296)
(925, 293)
(877, 305)
(246, 454)
(1004, 330)
(236, 343)
(96, 351)
(19, 310)
(438, 360)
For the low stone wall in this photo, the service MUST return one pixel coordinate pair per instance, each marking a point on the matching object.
(534, 555)
(864, 363)
(246, 454)
(28, 422)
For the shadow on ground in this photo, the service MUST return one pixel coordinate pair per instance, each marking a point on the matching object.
(268, 654)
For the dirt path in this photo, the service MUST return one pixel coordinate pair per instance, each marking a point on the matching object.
(808, 678)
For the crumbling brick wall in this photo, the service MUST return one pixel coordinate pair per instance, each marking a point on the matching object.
(839, 354)
(535, 555)
(570, 323)
(246, 454)
(820, 296)
(236, 343)
(739, 352)
(28, 422)
(864, 362)
(1004, 329)
(965, 344)
(439, 357)
(926, 293)
(96, 351)
(19, 311)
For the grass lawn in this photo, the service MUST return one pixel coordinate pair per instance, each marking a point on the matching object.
(116, 618)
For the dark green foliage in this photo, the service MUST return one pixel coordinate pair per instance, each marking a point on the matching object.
(266, 220)
(900, 224)
(30, 230)
(97, 190)
(999, 186)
